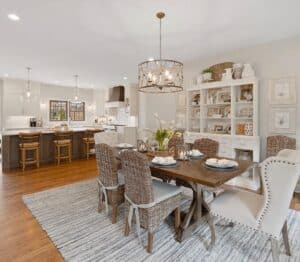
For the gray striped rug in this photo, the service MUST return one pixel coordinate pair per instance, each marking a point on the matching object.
(69, 216)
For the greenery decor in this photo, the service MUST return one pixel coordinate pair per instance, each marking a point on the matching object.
(162, 135)
(207, 70)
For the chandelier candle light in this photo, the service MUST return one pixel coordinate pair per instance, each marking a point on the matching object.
(76, 87)
(28, 93)
(160, 75)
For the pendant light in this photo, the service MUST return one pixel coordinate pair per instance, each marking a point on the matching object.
(28, 93)
(160, 75)
(76, 87)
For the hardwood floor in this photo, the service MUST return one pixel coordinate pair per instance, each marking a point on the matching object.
(21, 237)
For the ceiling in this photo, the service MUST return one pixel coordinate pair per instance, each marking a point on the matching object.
(104, 40)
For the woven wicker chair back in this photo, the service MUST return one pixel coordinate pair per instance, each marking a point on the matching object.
(277, 143)
(138, 182)
(106, 164)
(63, 135)
(175, 141)
(207, 146)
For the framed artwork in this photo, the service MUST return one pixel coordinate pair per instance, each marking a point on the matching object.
(282, 91)
(58, 110)
(283, 120)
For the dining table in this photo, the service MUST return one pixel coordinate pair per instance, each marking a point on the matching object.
(197, 176)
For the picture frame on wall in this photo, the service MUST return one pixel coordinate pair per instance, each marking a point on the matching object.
(283, 120)
(282, 91)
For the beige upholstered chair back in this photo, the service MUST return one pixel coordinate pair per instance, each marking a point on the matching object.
(277, 143)
(279, 181)
(109, 137)
(207, 146)
(138, 182)
(106, 164)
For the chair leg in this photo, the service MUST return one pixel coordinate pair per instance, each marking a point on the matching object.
(275, 250)
(114, 214)
(100, 203)
(70, 153)
(127, 229)
(58, 155)
(286, 239)
(150, 242)
(177, 218)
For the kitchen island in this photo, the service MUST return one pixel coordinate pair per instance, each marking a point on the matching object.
(11, 140)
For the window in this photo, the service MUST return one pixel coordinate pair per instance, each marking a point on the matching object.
(77, 111)
(58, 110)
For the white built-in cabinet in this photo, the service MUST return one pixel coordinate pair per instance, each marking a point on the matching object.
(225, 111)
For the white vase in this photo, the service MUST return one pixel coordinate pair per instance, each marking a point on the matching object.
(206, 77)
(248, 71)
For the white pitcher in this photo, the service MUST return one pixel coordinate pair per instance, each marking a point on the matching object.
(248, 71)
(228, 73)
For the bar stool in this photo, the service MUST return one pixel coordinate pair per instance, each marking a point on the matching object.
(63, 146)
(30, 143)
(89, 141)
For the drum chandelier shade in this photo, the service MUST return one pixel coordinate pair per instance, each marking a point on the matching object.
(161, 75)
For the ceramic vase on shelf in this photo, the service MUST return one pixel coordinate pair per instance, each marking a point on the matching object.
(248, 71)
(237, 71)
(228, 74)
(206, 77)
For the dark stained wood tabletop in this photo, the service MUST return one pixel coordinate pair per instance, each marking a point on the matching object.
(194, 171)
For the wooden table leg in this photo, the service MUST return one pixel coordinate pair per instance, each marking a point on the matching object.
(197, 210)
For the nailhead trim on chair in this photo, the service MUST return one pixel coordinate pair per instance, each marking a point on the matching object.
(268, 199)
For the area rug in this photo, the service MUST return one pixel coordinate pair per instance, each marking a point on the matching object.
(69, 216)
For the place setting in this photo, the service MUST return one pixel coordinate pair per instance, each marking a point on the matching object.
(165, 162)
(220, 164)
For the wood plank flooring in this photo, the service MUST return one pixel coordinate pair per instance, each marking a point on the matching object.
(21, 237)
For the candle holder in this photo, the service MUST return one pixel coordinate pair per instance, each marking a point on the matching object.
(182, 153)
(142, 146)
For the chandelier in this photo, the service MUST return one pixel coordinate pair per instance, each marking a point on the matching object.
(161, 75)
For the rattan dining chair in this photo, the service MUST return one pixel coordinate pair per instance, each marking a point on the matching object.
(276, 143)
(151, 201)
(207, 146)
(110, 181)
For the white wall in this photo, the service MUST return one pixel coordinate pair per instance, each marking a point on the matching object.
(163, 104)
(16, 103)
(272, 60)
(1, 101)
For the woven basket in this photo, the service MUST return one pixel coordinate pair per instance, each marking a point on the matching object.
(218, 70)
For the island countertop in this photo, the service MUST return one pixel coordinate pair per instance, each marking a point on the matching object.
(12, 132)
(11, 140)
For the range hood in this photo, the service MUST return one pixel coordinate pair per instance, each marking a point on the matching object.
(116, 97)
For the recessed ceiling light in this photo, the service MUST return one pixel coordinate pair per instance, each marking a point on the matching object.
(13, 17)
(125, 77)
(150, 59)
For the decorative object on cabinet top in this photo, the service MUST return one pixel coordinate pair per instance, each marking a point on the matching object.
(225, 72)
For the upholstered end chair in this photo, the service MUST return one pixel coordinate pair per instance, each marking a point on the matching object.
(276, 143)
(207, 146)
(110, 181)
(150, 201)
(265, 213)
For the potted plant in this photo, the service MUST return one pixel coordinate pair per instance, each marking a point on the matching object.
(207, 74)
(162, 135)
